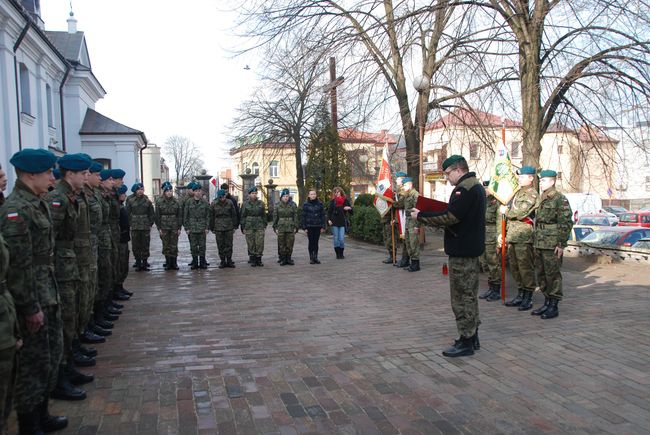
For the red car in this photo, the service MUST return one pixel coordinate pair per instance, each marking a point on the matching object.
(635, 219)
(616, 236)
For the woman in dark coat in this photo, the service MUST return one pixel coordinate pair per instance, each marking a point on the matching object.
(337, 218)
(312, 220)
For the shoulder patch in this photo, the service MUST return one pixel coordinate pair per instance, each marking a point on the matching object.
(56, 204)
(458, 193)
(13, 216)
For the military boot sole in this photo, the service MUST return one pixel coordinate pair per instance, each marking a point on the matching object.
(53, 423)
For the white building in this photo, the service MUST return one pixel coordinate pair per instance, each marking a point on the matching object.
(48, 93)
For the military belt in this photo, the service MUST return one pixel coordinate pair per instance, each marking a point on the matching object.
(42, 260)
(68, 244)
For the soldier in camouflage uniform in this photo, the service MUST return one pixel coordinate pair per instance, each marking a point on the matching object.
(141, 218)
(492, 253)
(411, 236)
(464, 223)
(519, 236)
(117, 215)
(169, 219)
(398, 205)
(552, 229)
(253, 224)
(286, 224)
(390, 226)
(223, 222)
(196, 221)
(27, 228)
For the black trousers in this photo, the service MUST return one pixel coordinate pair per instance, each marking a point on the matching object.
(313, 234)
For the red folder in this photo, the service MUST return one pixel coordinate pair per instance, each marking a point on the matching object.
(428, 204)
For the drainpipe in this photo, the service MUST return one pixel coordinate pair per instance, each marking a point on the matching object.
(16, 45)
(141, 163)
(65, 78)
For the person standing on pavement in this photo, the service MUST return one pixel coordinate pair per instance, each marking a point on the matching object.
(492, 253)
(169, 220)
(389, 225)
(141, 219)
(125, 238)
(313, 221)
(223, 221)
(553, 225)
(412, 234)
(337, 217)
(519, 237)
(398, 205)
(27, 228)
(231, 198)
(116, 218)
(196, 221)
(464, 240)
(286, 224)
(253, 226)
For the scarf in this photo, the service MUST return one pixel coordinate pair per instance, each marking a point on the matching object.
(339, 201)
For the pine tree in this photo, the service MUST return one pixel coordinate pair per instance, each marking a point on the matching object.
(327, 164)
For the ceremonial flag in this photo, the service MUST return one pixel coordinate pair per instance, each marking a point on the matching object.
(504, 182)
(213, 181)
(384, 196)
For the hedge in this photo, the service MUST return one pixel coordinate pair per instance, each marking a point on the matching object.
(365, 224)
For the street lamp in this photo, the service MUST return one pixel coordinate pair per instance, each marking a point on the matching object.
(421, 83)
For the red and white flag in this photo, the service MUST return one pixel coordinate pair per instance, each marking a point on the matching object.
(384, 196)
(213, 181)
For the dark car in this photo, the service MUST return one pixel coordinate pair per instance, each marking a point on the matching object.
(616, 236)
(615, 209)
(597, 219)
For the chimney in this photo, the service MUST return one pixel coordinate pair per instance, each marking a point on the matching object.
(72, 23)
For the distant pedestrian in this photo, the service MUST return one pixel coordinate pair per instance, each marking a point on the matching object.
(285, 225)
(313, 220)
(338, 218)
(464, 224)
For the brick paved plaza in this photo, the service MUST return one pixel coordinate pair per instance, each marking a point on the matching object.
(354, 346)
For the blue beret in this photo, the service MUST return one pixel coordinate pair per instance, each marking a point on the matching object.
(121, 190)
(117, 173)
(33, 161)
(194, 186)
(136, 187)
(56, 173)
(105, 174)
(75, 162)
(252, 189)
(451, 160)
(527, 170)
(400, 174)
(167, 186)
(96, 167)
(548, 173)
(284, 192)
(407, 180)
(221, 193)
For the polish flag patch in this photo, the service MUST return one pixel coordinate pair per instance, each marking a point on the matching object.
(56, 204)
(12, 216)
(457, 193)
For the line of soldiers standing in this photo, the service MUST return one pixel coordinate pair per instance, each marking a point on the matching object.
(62, 269)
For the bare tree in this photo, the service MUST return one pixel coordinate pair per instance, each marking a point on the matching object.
(184, 156)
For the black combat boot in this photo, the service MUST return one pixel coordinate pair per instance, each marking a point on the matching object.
(96, 329)
(258, 261)
(119, 295)
(475, 340)
(252, 260)
(81, 360)
(389, 259)
(121, 289)
(283, 260)
(167, 265)
(541, 310)
(527, 302)
(461, 347)
(174, 263)
(28, 423)
(50, 423)
(342, 256)
(112, 310)
(496, 293)
(78, 378)
(195, 263)
(138, 265)
(289, 260)
(414, 267)
(486, 293)
(404, 262)
(104, 324)
(90, 338)
(88, 351)
(230, 263)
(64, 390)
(146, 267)
(222, 264)
(552, 311)
(517, 300)
(203, 264)
(115, 305)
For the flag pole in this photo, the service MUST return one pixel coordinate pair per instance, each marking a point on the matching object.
(503, 232)
(392, 233)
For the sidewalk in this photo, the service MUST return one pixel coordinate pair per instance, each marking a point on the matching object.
(354, 346)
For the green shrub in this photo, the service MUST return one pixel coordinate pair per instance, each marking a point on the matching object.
(365, 224)
(364, 200)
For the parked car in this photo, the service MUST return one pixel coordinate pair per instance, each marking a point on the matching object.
(579, 232)
(582, 203)
(637, 219)
(598, 219)
(616, 236)
(615, 209)
(643, 243)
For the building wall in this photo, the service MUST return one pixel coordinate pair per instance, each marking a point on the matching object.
(152, 176)
(122, 152)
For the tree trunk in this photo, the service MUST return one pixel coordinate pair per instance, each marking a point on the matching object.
(531, 106)
(300, 179)
(410, 137)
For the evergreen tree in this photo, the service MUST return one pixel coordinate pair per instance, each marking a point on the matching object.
(327, 164)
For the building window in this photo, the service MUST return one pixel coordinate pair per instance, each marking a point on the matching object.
(256, 168)
(473, 151)
(25, 99)
(515, 150)
(274, 169)
(50, 113)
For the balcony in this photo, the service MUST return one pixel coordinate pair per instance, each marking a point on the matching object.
(431, 168)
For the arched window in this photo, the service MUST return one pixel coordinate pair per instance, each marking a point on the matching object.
(50, 112)
(25, 99)
(256, 168)
(274, 169)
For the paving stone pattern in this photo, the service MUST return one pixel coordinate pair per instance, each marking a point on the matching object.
(354, 346)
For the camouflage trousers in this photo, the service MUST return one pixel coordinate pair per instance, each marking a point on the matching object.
(197, 243)
(85, 298)
(122, 263)
(140, 241)
(224, 243)
(493, 262)
(69, 306)
(388, 238)
(255, 242)
(463, 286)
(169, 240)
(7, 377)
(412, 243)
(547, 270)
(286, 239)
(105, 276)
(522, 265)
(38, 361)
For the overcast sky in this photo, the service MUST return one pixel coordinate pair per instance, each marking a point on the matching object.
(166, 66)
